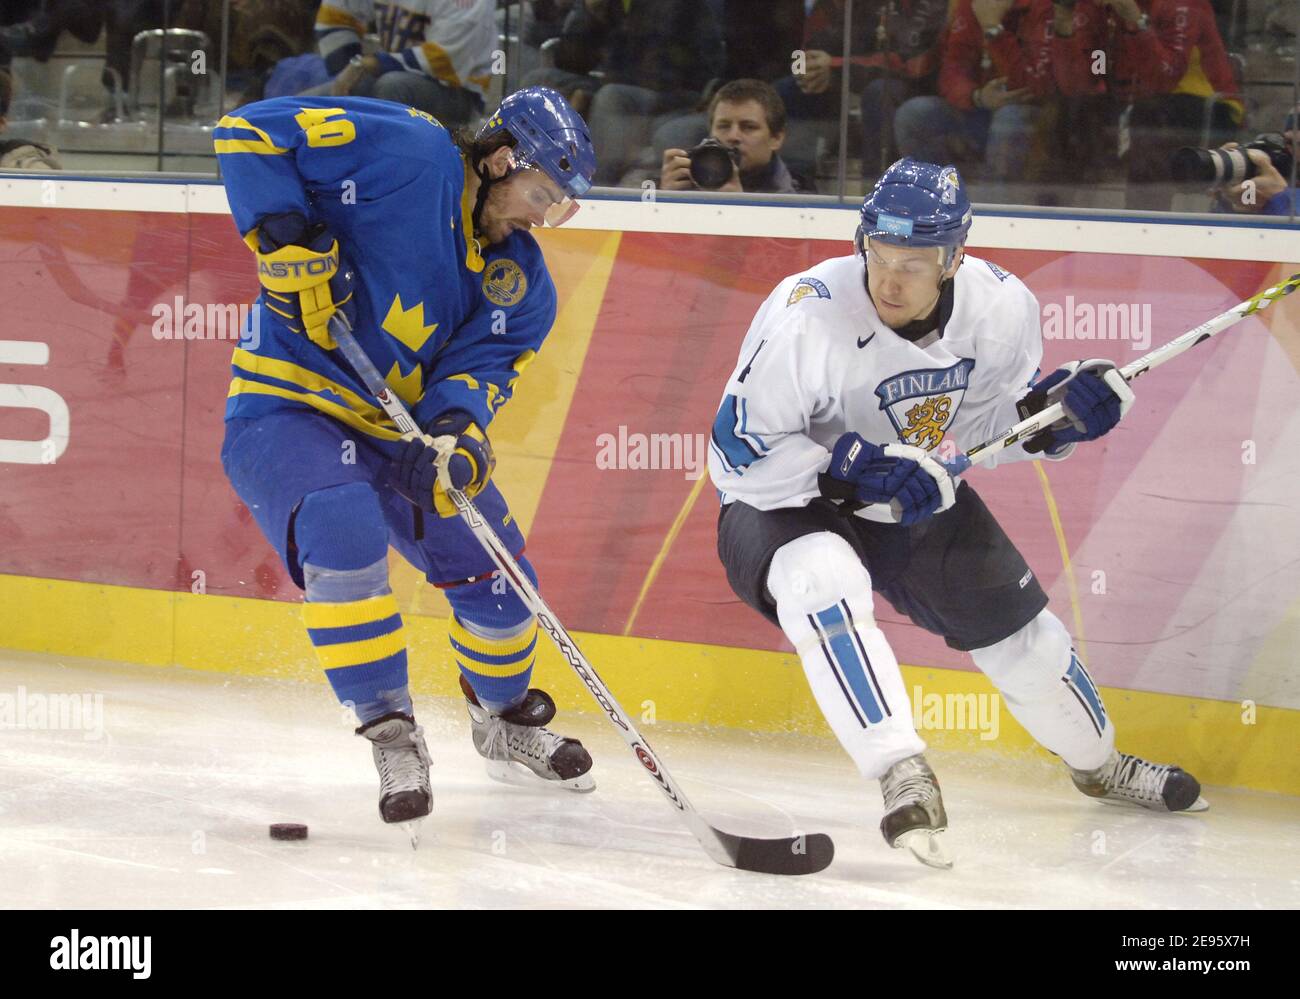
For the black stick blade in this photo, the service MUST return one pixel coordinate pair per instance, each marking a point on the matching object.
(806, 854)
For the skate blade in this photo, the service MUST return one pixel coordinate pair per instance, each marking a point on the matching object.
(927, 846)
(1199, 805)
(412, 829)
(518, 775)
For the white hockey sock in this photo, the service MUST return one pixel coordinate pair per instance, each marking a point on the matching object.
(823, 600)
(1048, 690)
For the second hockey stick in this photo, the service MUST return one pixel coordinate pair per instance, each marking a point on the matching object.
(805, 854)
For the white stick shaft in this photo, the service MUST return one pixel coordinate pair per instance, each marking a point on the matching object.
(516, 577)
(1166, 352)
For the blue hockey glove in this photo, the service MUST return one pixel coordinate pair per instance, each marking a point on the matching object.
(1095, 396)
(469, 467)
(905, 477)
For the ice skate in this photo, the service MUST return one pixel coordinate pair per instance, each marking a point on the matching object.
(519, 749)
(914, 816)
(402, 759)
(1131, 780)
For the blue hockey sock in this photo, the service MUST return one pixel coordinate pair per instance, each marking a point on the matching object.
(351, 613)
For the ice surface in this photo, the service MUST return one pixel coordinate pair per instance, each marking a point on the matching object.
(170, 807)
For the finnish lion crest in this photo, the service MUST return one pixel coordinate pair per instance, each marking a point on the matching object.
(926, 422)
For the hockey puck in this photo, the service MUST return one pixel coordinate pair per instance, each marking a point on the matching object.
(288, 830)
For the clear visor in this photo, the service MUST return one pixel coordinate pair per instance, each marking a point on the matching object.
(911, 265)
(544, 195)
(561, 211)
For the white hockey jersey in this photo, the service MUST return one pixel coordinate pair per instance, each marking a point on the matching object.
(818, 361)
(449, 40)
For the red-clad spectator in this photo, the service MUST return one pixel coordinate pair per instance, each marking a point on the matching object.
(1001, 60)
(1169, 60)
(1169, 47)
(1036, 46)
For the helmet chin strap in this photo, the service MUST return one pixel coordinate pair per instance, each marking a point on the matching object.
(486, 180)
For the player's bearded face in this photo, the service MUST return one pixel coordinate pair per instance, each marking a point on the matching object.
(904, 281)
(520, 201)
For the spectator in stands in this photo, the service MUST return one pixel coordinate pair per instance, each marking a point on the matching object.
(748, 116)
(630, 65)
(894, 56)
(1168, 59)
(1003, 61)
(437, 54)
(21, 154)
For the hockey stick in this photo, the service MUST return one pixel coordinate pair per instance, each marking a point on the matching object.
(805, 854)
(1167, 352)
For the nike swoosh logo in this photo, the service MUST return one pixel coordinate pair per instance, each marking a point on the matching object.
(863, 343)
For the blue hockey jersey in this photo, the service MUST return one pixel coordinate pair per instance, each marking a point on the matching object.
(449, 324)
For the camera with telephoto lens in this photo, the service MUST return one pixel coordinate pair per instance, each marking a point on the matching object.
(712, 163)
(1228, 167)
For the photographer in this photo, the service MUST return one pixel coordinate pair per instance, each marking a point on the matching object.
(748, 118)
(1268, 192)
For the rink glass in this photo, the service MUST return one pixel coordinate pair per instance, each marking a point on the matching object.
(98, 102)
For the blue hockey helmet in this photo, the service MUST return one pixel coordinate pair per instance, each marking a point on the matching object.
(916, 204)
(550, 136)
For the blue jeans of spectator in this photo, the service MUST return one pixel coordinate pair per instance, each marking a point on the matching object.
(925, 127)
